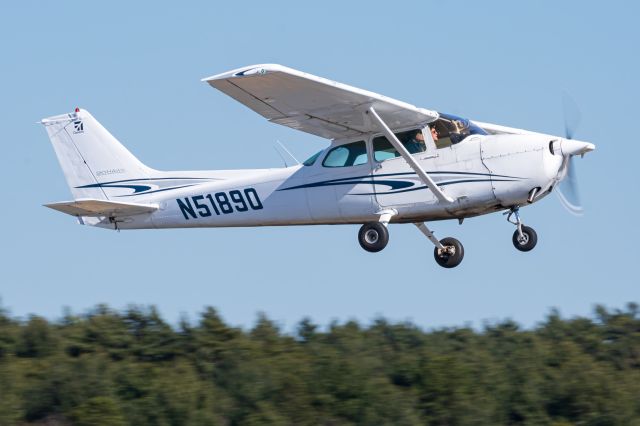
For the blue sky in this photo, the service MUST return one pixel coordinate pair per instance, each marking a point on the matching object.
(137, 68)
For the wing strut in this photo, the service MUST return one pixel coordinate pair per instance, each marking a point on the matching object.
(409, 159)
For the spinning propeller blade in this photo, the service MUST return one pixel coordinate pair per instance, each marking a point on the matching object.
(571, 115)
(567, 190)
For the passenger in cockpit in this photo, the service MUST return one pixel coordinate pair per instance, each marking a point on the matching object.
(416, 143)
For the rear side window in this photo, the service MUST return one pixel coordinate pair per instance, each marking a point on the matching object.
(351, 154)
(311, 160)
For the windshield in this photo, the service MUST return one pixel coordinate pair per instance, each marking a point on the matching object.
(450, 130)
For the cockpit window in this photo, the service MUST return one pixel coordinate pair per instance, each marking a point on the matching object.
(351, 154)
(449, 130)
(413, 140)
(311, 160)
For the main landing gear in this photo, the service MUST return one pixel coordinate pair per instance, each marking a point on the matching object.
(448, 252)
(524, 238)
(373, 236)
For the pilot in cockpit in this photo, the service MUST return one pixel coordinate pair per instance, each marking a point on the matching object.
(434, 132)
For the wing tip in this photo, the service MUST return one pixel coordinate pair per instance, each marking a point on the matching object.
(245, 71)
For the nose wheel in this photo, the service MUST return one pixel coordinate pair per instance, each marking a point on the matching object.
(524, 238)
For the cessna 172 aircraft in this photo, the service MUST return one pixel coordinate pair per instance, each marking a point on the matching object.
(388, 162)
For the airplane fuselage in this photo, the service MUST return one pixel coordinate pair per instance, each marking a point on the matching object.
(483, 173)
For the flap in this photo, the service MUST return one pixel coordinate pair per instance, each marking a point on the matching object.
(314, 104)
(99, 208)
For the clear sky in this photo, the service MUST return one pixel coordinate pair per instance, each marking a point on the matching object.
(137, 67)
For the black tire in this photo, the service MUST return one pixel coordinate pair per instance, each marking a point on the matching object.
(449, 260)
(529, 241)
(373, 236)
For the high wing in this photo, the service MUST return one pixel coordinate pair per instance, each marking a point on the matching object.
(314, 104)
(99, 208)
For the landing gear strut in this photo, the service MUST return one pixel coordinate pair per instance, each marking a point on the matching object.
(448, 252)
(524, 238)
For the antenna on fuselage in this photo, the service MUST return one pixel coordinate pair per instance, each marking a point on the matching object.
(284, 148)
(281, 156)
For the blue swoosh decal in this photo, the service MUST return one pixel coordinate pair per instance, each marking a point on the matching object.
(142, 189)
(97, 185)
(161, 190)
(454, 182)
(136, 188)
(393, 184)
(399, 184)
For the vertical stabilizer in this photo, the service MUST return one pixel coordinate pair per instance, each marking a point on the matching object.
(90, 156)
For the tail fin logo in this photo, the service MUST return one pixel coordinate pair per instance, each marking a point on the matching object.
(78, 127)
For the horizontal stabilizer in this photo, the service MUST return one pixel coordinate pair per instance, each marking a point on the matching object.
(98, 208)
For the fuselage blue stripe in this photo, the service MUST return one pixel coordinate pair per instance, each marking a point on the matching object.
(437, 183)
(98, 185)
(391, 183)
(156, 190)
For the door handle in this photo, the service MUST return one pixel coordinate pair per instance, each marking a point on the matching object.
(426, 157)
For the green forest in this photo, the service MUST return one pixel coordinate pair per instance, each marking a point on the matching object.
(131, 367)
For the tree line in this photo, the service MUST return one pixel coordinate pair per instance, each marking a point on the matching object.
(130, 367)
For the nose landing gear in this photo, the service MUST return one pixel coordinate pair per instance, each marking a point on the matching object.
(524, 238)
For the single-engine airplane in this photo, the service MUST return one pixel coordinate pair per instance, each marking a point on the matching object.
(387, 162)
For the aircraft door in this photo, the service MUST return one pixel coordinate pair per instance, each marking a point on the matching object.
(395, 182)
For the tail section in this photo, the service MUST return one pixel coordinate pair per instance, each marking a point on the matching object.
(90, 156)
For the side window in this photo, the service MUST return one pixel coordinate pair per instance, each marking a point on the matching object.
(440, 134)
(351, 154)
(311, 160)
(383, 150)
(413, 141)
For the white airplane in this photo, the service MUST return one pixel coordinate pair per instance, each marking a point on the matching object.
(388, 162)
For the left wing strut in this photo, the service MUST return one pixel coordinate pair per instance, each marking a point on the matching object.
(440, 195)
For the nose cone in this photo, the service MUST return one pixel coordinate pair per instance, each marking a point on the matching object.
(574, 147)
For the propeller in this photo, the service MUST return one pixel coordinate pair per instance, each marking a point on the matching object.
(567, 189)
